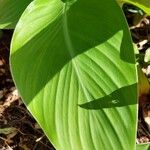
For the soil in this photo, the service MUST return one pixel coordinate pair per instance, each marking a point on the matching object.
(18, 129)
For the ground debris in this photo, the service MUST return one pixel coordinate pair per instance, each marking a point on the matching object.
(141, 36)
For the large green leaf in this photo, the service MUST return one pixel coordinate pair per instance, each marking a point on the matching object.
(143, 4)
(74, 66)
(10, 12)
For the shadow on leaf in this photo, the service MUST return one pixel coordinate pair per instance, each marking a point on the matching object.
(118, 98)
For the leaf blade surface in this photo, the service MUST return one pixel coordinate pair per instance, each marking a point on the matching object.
(77, 74)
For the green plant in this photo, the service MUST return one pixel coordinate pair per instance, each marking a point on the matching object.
(10, 12)
(73, 63)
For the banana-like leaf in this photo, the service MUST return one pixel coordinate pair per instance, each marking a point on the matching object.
(143, 146)
(142, 4)
(10, 12)
(74, 66)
